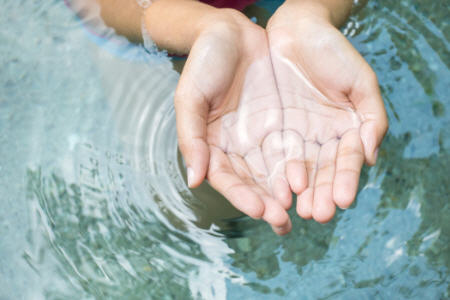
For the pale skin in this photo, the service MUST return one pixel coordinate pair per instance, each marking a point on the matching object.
(261, 113)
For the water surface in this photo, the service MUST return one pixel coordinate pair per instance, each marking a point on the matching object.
(95, 205)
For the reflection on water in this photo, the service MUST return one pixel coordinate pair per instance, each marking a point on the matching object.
(94, 202)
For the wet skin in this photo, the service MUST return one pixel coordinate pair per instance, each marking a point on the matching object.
(261, 114)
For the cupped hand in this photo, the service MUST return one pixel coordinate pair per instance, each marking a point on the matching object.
(229, 120)
(333, 115)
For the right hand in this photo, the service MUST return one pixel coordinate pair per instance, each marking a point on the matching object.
(229, 119)
(334, 116)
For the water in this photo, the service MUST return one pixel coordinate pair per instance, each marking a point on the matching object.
(94, 202)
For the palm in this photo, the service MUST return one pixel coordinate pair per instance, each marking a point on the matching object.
(303, 113)
(322, 140)
(244, 111)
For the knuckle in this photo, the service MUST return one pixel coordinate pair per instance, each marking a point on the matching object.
(350, 151)
(323, 167)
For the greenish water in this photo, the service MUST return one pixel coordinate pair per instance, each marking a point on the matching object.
(94, 203)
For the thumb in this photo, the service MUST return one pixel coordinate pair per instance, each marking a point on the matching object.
(367, 99)
(191, 114)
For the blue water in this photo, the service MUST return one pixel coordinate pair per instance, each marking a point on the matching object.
(93, 199)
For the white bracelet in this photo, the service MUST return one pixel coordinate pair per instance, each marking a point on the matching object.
(144, 3)
(148, 43)
(150, 46)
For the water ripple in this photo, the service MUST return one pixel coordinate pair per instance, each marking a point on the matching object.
(89, 147)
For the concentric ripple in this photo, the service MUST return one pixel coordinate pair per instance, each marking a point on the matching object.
(94, 203)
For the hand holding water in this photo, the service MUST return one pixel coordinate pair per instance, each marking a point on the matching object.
(227, 105)
(308, 125)
(263, 113)
(334, 117)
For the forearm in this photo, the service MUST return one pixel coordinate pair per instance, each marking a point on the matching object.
(173, 25)
(125, 16)
(335, 11)
(176, 24)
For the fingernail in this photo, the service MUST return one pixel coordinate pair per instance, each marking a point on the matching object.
(376, 154)
(190, 176)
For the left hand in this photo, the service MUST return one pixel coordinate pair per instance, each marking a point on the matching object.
(229, 119)
(333, 110)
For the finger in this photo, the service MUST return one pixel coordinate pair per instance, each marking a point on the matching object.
(349, 160)
(257, 167)
(283, 230)
(240, 168)
(274, 159)
(224, 179)
(191, 114)
(295, 157)
(305, 199)
(323, 205)
(366, 97)
(274, 213)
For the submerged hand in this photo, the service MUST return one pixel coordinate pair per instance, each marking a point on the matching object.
(227, 106)
(334, 117)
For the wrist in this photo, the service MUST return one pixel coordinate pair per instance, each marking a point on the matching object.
(221, 22)
(310, 9)
(333, 12)
(231, 27)
(176, 25)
